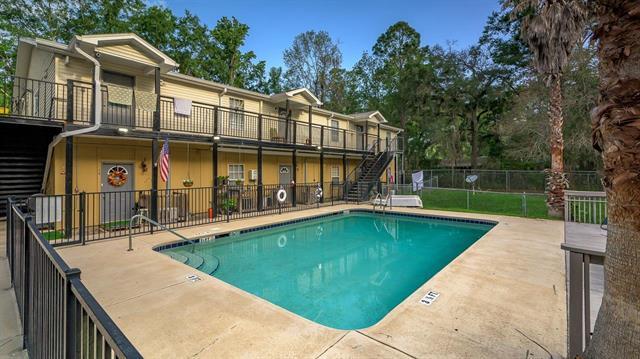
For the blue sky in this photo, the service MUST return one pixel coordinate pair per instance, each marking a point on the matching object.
(355, 24)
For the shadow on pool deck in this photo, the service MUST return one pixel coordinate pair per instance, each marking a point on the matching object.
(502, 297)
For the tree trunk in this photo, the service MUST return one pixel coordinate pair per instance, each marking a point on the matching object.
(616, 134)
(556, 179)
(474, 141)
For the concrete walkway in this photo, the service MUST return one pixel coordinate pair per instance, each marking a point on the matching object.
(10, 327)
(504, 297)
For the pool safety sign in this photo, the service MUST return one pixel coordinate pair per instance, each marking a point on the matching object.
(193, 278)
(429, 298)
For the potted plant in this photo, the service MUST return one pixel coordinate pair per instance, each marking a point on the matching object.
(222, 180)
(228, 205)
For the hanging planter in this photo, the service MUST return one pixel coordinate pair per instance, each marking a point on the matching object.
(188, 182)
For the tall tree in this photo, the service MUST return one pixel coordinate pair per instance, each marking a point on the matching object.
(274, 81)
(552, 28)
(396, 49)
(310, 61)
(229, 64)
(616, 134)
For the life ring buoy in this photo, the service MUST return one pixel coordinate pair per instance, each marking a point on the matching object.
(319, 192)
(281, 195)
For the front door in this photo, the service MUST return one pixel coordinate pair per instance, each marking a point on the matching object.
(285, 175)
(117, 195)
(117, 113)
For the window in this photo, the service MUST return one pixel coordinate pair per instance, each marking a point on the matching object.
(236, 117)
(334, 130)
(335, 174)
(236, 172)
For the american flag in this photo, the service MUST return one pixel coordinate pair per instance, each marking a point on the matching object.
(164, 161)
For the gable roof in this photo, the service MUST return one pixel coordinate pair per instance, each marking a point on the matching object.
(303, 91)
(164, 61)
(369, 115)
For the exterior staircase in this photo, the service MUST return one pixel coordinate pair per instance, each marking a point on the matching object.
(23, 152)
(367, 175)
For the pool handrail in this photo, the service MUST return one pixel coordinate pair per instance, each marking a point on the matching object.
(143, 217)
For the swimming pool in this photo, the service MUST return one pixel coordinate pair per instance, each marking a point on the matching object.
(345, 271)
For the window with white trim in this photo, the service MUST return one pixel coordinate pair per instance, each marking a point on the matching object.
(236, 172)
(335, 174)
(236, 117)
(335, 125)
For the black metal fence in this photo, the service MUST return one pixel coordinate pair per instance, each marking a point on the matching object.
(60, 317)
(82, 217)
(505, 180)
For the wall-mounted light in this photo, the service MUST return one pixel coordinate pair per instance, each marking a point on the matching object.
(319, 148)
(123, 131)
(216, 138)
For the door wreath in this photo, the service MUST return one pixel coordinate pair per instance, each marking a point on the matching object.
(117, 176)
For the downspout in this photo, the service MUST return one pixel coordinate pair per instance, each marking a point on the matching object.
(97, 95)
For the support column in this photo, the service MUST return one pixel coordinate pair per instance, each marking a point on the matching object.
(322, 173)
(378, 137)
(294, 164)
(310, 127)
(68, 189)
(286, 122)
(260, 187)
(214, 173)
(366, 135)
(344, 167)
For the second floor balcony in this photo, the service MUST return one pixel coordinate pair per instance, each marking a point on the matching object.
(73, 102)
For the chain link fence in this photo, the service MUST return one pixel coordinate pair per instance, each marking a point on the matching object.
(530, 205)
(504, 180)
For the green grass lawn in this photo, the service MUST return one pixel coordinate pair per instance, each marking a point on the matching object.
(53, 235)
(510, 204)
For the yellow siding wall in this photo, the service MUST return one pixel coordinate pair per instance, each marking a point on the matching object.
(172, 88)
(41, 66)
(90, 153)
(128, 52)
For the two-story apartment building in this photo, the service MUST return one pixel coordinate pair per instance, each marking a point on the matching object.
(94, 115)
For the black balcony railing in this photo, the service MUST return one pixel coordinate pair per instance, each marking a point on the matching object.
(73, 102)
(59, 316)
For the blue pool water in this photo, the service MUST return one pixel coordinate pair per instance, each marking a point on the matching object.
(345, 271)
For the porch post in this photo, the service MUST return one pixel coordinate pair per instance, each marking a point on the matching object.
(378, 137)
(344, 167)
(214, 173)
(365, 134)
(322, 173)
(294, 163)
(68, 189)
(286, 123)
(260, 188)
(310, 127)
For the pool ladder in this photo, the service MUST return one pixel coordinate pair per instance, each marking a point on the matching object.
(382, 204)
(149, 220)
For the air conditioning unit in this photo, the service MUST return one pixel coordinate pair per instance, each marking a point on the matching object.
(253, 175)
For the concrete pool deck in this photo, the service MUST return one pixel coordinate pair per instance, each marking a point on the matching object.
(502, 297)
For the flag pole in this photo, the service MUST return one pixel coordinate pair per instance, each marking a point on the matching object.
(168, 184)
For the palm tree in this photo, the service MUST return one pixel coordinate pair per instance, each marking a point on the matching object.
(552, 28)
(616, 134)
